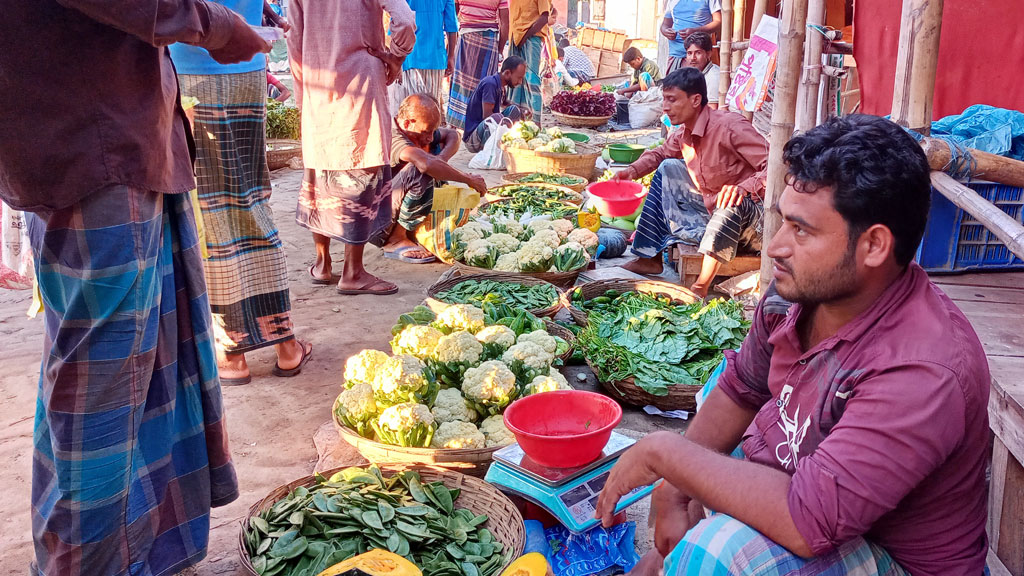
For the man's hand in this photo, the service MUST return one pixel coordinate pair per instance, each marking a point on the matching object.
(477, 183)
(284, 25)
(635, 468)
(624, 174)
(450, 69)
(669, 33)
(672, 517)
(729, 197)
(685, 33)
(391, 62)
(244, 43)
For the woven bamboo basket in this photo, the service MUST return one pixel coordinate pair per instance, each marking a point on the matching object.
(563, 333)
(563, 280)
(680, 396)
(513, 178)
(581, 164)
(481, 498)
(281, 151)
(451, 282)
(581, 121)
(572, 196)
(590, 290)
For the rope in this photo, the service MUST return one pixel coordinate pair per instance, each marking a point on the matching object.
(962, 163)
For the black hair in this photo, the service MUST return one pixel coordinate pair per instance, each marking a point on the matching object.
(632, 53)
(689, 80)
(511, 63)
(564, 42)
(701, 39)
(877, 172)
(561, 52)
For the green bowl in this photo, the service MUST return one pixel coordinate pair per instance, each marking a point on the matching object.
(577, 137)
(625, 153)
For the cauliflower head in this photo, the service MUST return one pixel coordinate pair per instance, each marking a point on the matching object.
(498, 334)
(490, 387)
(403, 379)
(536, 256)
(458, 435)
(539, 224)
(357, 409)
(510, 226)
(548, 237)
(586, 238)
(527, 360)
(563, 227)
(451, 406)
(407, 424)
(540, 338)
(360, 369)
(460, 317)
(548, 383)
(494, 430)
(418, 341)
(454, 355)
(571, 256)
(504, 243)
(480, 253)
(507, 262)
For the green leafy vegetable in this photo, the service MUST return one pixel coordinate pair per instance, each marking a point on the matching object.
(479, 292)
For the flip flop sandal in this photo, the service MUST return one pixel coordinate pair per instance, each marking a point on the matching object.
(306, 353)
(368, 290)
(236, 381)
(320, 282)
(400, 255)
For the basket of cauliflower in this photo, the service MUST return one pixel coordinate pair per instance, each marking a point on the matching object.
(548, 249)
(530, 149)
(439, 397)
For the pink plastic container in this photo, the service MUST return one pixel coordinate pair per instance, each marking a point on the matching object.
(615, 198)
(563, 429)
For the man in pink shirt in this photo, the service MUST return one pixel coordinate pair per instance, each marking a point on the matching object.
(861, 406)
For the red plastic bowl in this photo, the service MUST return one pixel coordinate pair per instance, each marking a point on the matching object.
(615, 198)
(565, 428)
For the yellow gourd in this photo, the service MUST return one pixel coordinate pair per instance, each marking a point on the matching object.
(532, 564)
(375, 563)
(589, 220)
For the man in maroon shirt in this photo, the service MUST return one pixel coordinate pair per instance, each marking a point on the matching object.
(861, 407)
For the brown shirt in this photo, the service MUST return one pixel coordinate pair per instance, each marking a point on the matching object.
(91, 98)
(722, 149)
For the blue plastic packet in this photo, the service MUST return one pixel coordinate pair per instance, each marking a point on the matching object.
(592, 552)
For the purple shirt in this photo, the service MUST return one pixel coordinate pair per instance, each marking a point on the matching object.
(884, 426)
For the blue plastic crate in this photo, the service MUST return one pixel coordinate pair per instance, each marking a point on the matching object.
(955, 242)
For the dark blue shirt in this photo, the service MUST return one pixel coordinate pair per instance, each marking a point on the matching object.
(489, 91)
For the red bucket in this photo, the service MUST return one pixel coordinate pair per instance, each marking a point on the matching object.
(615, 199)
(565, 428)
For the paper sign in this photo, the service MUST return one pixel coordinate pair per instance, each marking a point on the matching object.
(750, 84)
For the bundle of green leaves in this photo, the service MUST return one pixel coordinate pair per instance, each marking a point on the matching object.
(283, 121)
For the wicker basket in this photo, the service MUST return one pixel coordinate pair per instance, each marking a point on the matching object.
(581, 164)
(594, 289)
(513, 178)
(503, 518)
(563, 333)
(449, 283)
(680, 396)
(282, 151)
(575, 197)
(581, 121)
(563, 280)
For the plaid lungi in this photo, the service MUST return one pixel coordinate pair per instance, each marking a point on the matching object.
(430, 82)
(675, 63)
(352, 206)
(130, 441)
(529, 94)
(246, 272)
(476, 57)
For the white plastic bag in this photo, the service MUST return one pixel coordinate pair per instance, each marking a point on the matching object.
(645, 108)
(16, 269)
(491, 156)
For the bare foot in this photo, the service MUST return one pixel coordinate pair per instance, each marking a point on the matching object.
(365, 283)
(700, 290)
(411, 249)
(650, 565)
(646, 266)
(233, 367)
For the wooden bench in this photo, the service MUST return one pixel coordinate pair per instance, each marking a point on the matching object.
(688, 263)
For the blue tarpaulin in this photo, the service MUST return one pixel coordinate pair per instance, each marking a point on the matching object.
(986, 128)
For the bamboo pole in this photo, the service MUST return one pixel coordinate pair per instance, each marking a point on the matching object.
(725, 56)
(739, 18)
(844, 48)
(1008, 230)
(810, 75)
(759, 9)
(916, 63)
(986, 166)
(792, 28)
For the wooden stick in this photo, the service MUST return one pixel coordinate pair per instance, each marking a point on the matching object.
(810, 76)
(916, 62)
(844, 48)
(759, 8)
(791, 51)
(725, 56)
(739, 17)
(1008, 230)
(987, 166)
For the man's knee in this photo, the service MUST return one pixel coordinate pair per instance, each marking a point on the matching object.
(719, 544)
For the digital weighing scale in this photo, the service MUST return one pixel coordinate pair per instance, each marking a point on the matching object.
(570, 494)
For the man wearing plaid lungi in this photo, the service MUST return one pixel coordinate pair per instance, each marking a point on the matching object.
(130, 440)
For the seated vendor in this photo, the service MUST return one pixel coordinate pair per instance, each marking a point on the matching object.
(490, 100)
(698, 55)
(708, 186)
(645, 72)
(420, 152)
(859, 394)
(576, 61)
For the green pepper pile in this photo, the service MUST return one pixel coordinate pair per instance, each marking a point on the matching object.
(479, 292)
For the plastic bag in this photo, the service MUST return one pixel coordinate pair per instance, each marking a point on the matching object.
(491, 156)
(16, 267)
(593, 551)
(986, 128)
(451, 209)
(645, 108)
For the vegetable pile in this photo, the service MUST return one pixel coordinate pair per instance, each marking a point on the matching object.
(584, 103)
(527, 135)
(556, 179)
(479, 292)
(657, 343)
(532, 193)
(283, 121)
(357, 510)
(528, 245)
(533, 205)
(451, 377)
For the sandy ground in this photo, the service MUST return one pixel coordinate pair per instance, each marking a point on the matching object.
(271, 421)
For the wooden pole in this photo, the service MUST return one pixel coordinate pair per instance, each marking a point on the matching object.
(725, 56)
(916, 63)
(791, 51)
(986, 166)
(810, 75)
(739, 18)
(1008, 230)
(759, 8)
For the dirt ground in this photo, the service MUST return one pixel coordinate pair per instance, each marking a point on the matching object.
(272, 421)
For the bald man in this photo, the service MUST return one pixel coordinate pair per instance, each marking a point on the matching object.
(420, 152)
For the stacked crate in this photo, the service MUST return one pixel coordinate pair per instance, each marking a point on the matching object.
(604, 48)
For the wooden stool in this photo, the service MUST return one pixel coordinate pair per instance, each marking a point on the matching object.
(689, 260)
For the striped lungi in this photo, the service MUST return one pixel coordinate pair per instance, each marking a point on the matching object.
(476, 57)
(430, 82)
(246, 272)
(675, 63)
(130, 441)
(529, 95)
(352, 206)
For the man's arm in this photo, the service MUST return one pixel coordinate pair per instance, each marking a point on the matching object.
(450, 143)
(666, 28)
(164, 22)
(438, 169)
(544, 7)
(713, 26)
(629, 91)
(402, 27)
(294, 42)
(451, 28)
(502, 27)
